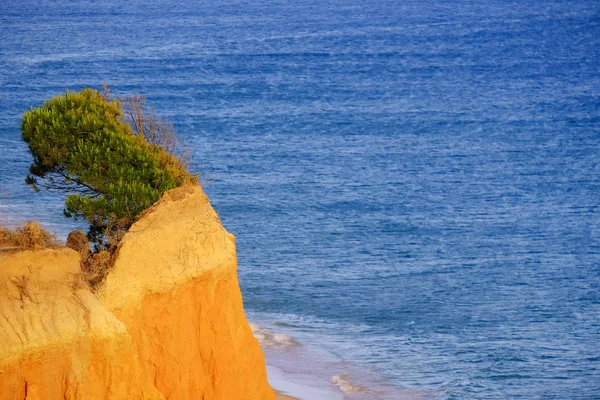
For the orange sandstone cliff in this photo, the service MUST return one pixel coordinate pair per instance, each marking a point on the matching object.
(168, 321)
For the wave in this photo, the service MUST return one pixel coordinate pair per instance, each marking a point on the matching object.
(341, 381)
(266, 338)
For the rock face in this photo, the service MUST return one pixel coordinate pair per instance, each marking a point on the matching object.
(174, 285)
(168, 322)
(56, 340)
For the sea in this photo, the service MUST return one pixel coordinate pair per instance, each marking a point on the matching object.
(413, 185)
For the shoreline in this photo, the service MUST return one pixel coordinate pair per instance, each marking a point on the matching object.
(303, 379)
(281, 396)
(294, 386)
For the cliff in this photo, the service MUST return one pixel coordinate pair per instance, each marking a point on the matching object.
(168, 321)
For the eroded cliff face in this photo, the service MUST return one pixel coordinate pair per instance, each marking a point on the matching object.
(168, 322)
(56, 340)
(174, 286)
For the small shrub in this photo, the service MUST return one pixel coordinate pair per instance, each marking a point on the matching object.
(30, 236)
(4, 236)
(78, 241)
(96, 267)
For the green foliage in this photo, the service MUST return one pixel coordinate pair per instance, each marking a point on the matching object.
(81, 145)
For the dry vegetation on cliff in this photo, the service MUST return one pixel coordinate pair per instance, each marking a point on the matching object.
(30, 236)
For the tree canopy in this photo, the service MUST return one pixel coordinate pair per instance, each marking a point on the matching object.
(83, 146)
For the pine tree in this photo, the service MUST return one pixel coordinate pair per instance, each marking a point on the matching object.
(83, 146)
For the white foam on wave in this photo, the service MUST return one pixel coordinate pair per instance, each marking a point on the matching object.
(266, 338)
(341, 381)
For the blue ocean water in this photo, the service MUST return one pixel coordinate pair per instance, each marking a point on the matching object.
(414, 186)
